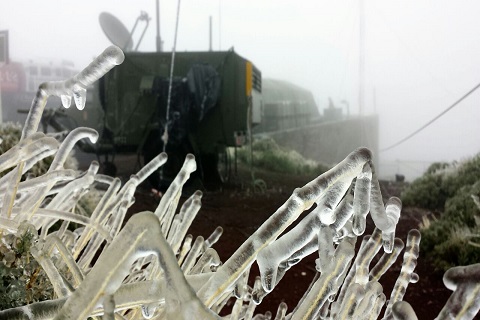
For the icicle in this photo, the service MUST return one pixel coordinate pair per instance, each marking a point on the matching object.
(169, 201)
(196, 250)
(281, 311)
(95, 70)
(301, 199)
(187, 213)
(187, 245)
(402, 310)
(214, 237)
(327, 284)
(361, 201)
(409, 263)
(386, 261)
(72, 138)
(105, 278)
(464, 303)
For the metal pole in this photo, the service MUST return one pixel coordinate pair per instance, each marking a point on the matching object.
(159, 39)
(210, 35)
(361, 62)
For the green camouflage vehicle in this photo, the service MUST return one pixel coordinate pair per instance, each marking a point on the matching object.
(215, 99)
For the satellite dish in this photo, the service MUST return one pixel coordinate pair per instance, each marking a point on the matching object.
(115, 31)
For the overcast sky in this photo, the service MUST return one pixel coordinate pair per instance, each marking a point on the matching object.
(421, 56)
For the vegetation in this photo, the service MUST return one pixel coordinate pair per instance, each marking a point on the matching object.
(23, 280)
(450, 189)
(10, 134)
(267, 154)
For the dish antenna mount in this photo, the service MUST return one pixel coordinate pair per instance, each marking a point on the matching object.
(118, 34)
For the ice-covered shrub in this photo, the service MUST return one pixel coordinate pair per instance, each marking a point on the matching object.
(446, 245)
(267, 154)
(440, 182)
(464, 173)
(10, 133)
(427, 191)
(22, 279)
(448, 240)
(460, 209)
(152, 268)
(448, 188)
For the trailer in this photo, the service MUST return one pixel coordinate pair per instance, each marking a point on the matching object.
(210, 103)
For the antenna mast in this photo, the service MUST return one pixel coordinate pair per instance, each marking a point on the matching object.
(210, 34)
(361, 62)
(159, 39)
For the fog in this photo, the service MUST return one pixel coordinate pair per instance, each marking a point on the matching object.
(420, 56)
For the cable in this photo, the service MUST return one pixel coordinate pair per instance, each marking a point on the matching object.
(433, 120)
(170, 82)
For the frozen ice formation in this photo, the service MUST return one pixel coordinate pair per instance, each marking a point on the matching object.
(153, 269)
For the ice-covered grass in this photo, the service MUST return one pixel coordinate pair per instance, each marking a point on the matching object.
(153, 269)
(267, 154)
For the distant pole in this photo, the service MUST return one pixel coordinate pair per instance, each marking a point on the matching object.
(159, 39)
(219, 25)
(210, 35)
(361, 62)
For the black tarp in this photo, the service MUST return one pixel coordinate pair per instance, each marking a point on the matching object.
(192, 97)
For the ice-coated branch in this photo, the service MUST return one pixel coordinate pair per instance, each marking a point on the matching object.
(402, 310)
(361, 201)
(151, 167)
(301, 200)
(281, 311)
(141, 236)
(195, 251)
(406, 273)
(214, 237)
(184, 219)
(386, 261)
(464, 303)
(169, 201)
(75, 86)
(67, 145)
(49, 177)
(365, 256)
(97, 216)
(27, 149)
(327, 284)
(384, 220)
(373, 290)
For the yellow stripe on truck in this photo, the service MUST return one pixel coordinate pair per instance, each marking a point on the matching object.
(249, 78)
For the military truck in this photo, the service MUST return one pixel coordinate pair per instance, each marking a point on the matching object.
(215, 98)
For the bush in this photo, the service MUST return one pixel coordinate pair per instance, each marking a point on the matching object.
(267, 154)
(461, 209)
(463, 174)
(10, 134)
(22, 279)
(426, 192)
(446, 246)
(448, 188)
